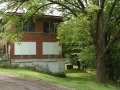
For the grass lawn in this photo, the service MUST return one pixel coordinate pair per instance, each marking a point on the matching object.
(75, 79)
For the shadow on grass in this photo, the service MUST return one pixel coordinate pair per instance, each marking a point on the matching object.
(78, 75)
(77, 79)
(75, 71)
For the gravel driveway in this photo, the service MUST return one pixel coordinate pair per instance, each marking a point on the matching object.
(12, 82)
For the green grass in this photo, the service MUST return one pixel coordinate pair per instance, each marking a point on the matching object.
(75, 79)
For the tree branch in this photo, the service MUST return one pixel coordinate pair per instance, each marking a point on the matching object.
(40, 8)
(86, 2)
(111, 42)
(101, 5)
(10, 15)
(94, 38)
(99, 13)
(97, 26)
(109, 14)
(117, 19)
(74, 5)
(22, 0)
(63, 5)
(17, 8)
(37, 11)
(81, 4)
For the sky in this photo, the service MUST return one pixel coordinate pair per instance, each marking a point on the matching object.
(48, 12)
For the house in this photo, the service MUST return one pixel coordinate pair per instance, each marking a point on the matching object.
(38, 45)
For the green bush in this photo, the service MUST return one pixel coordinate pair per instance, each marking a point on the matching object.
(3, 65)
(5, 57)
(14, 65)
(62, 74)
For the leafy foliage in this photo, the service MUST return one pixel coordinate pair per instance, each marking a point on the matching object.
(11, 18)
(76, 40)
(113, 63)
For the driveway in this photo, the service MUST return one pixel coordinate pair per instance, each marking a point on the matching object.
(13, 82)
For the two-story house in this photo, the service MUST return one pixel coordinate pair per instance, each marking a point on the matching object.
(38, 45)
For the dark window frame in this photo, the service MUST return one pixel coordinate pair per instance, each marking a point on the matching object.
(29, 26)
(50, 27)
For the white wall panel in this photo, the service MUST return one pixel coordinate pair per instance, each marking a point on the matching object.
(25, 48)
(45, 47)
(32, 48)
(57, 48)
(17, 49)
(53, 66)
(51, 48)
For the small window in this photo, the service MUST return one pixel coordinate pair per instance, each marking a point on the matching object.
(50, 27)
(29, 27)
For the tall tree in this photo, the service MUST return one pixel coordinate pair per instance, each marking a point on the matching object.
(99, 26)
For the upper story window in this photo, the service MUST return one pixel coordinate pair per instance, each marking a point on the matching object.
(29, 27)
(50, 27)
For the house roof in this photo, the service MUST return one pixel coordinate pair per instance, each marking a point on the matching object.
(43, 16)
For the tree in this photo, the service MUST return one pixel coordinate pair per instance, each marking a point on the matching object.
(76, 41)
(100, 20)
(74, 37)
(112, 63)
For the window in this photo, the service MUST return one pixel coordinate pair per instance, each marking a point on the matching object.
(51, 48)
(29, 27)
(25, 48)
(50, 27)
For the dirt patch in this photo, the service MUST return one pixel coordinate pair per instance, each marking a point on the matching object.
(13, 82)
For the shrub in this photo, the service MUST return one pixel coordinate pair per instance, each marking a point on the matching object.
(5, 57)
(62, 74)
(14, 65)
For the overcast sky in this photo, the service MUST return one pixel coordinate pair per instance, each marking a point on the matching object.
(48, 12)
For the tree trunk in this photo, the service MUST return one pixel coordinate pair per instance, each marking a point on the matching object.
(78, 64)
(101, 70)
